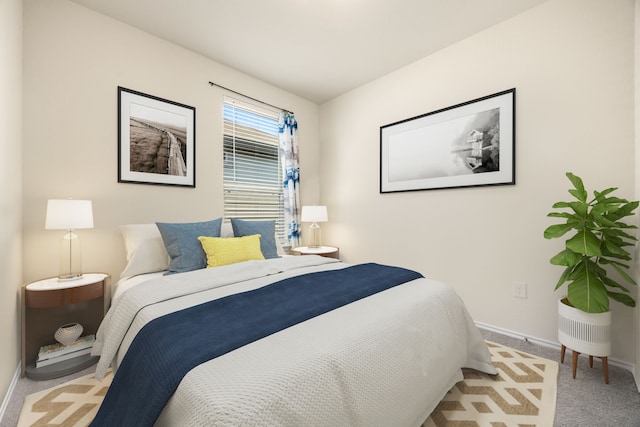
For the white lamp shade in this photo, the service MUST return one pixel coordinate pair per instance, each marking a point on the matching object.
(68, 214)
(314, 214)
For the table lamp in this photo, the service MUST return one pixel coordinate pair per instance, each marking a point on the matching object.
(69, 214)
(314, 214)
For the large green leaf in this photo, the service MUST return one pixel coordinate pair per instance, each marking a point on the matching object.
(627, 210)
(560, 205)
(593, 266)
(623, 298)
(586, 243)
(613, 249)
(602, 220)
(613, 201)
(622, 225)
(566, 274)
(614, 263)
(613, 284)
(588, 293)
(567, 215)
(580, 208)
(609, 257)
(580, 193)
(600, 195)
(557, 230)
(619, 234)
(566, 257)
(623, 273)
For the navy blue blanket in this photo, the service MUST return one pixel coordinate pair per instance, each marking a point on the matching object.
(170, 346)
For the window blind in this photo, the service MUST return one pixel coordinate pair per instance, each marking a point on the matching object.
(252, 182)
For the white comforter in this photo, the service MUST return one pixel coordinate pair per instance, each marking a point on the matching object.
(386, 360)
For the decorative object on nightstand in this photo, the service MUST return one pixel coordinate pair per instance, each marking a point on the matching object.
(69, 214)
(49, 303)
(314, 214)
(68, 333)
(325, 251)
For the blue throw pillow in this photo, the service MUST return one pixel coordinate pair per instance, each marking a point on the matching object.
(183, 246)
(266, 229)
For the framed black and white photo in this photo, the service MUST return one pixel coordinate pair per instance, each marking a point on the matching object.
(466, 145)
(156, 140)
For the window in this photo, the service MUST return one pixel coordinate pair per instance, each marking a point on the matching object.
(252, 181)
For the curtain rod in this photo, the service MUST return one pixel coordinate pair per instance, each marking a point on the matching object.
(249, 97)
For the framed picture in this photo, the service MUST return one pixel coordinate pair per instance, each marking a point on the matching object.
(156, 140)
(466, 145)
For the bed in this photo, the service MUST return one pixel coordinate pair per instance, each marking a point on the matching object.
(385, 359)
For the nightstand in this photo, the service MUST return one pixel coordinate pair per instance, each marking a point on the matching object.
(326, 251)
(48, 304)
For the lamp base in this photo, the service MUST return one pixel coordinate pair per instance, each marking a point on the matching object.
(70, 258)
(315, 235)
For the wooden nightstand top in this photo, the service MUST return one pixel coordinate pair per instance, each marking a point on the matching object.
(53, 282)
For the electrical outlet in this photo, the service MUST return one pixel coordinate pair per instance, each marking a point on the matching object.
(520, 290)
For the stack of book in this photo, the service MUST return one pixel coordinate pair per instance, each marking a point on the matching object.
(54, 353)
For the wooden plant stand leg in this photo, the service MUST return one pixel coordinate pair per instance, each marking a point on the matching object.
(605, 369)
(574, 362)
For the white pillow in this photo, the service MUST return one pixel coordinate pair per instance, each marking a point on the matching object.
(281, 250)
(226, 230)
(145, 248)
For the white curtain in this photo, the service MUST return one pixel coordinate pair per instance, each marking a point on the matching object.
(288, 133)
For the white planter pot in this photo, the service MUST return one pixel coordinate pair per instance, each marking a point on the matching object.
(586, 333)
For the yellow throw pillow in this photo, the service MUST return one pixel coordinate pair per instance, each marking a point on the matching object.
(230, 250)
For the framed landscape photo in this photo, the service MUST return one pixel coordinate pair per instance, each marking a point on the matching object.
(156, 140)
(467, 145)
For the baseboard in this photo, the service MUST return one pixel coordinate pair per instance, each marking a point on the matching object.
(550, 344)
(7, 397)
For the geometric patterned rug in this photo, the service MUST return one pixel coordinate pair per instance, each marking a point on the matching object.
(72, 404)
(522, 394)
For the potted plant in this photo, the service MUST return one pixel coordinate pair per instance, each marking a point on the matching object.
(595, 261)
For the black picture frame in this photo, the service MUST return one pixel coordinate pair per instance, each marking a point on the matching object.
(156, 140)
(466, 145)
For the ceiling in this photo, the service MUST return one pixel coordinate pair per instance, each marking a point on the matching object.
(316, 49)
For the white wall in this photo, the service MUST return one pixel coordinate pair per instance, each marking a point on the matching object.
(10, 187)
(571, 62)
(74, 61)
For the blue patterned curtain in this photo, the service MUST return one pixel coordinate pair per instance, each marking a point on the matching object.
(288, 134)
